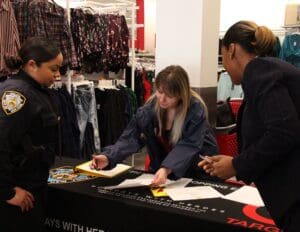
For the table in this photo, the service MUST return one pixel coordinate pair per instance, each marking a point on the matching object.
(86, 206)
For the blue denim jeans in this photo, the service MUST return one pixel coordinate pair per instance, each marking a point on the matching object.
(85, 105)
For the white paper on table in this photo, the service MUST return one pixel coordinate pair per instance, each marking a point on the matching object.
(246, 195)
(145, 179)
(142, 180)
(192, 193)
(180, 183)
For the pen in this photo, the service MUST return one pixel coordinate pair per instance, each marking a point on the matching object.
(206, 158)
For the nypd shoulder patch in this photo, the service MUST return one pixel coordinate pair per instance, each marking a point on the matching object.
(12, 102)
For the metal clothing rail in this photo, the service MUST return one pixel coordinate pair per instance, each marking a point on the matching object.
(118, 5)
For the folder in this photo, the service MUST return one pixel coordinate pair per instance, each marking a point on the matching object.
(117, 170)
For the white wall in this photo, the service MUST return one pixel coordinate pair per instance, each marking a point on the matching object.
(269, 13)
(210, 43)
(150, 24)
(180, 38)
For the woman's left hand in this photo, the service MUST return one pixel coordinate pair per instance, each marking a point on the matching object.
(221, 166)
(160, 177)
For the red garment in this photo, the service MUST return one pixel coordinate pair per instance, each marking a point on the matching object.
(139, 43)
(167, 147)
(147, 86)
(165, 143)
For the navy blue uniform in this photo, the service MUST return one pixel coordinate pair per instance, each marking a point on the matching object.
(29, 126)
(197, 138)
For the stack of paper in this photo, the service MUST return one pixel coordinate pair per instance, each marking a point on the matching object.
(142, 180)
(85, 168)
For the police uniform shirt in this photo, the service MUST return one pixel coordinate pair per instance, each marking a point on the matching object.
(28, 134)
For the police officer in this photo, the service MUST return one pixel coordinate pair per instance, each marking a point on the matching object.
(28, 135)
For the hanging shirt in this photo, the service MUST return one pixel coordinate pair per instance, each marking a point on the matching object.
(9, 36)
(45, 19)
(290, 50)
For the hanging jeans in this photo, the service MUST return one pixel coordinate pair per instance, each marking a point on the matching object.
(85, 105)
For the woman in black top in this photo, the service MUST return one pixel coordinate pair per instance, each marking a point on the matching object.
(268, 122)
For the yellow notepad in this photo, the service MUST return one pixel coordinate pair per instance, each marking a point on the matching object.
(85, 168)
(158, 192)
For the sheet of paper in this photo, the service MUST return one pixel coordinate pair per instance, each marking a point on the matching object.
(192, 193)
(246, 195)
(180, 183)
(160, 191)
(145, 179)
(129, 183)
(142, 180)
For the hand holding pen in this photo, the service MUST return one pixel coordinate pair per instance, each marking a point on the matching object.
(99, 162)
(218, 165)
(206, 164)
(206, 158)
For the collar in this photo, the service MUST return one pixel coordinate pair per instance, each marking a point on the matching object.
(29, 79)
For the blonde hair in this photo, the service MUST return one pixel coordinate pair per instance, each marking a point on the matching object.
(175, 82)
(259, 40)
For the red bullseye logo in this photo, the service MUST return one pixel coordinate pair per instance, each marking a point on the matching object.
(251, 212)
(257, 222)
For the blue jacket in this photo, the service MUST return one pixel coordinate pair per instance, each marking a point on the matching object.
(197, 138)
(269, 133)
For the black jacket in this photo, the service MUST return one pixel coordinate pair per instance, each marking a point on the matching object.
(197, 138)
(28, 134)
(269, 133)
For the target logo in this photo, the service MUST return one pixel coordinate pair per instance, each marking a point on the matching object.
(261, 223)
(251, 212)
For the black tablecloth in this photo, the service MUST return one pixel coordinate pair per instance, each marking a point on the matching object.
(86, 206)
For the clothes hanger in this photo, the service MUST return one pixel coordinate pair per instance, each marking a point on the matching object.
(42, 1)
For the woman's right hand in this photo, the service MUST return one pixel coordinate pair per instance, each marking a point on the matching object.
(22, 198)
(99, 162)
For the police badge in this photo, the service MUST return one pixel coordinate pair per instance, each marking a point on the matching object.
(12, 101)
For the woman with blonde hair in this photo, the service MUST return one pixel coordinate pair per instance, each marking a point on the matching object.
(172, 124)
(268, 122)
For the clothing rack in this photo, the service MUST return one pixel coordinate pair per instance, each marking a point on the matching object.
(117, 5)
(104, 6)
(110, 84)
(146, 63)
(293, 29)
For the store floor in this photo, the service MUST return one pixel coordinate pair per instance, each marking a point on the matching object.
(137, 160)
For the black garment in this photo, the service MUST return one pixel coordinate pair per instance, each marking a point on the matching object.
(28, 135)
(32, 220)
(70, 133)
(292, 219)
(269, 134)
(101, 41)
(111, 105)
(139, 89)
(3, 78)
